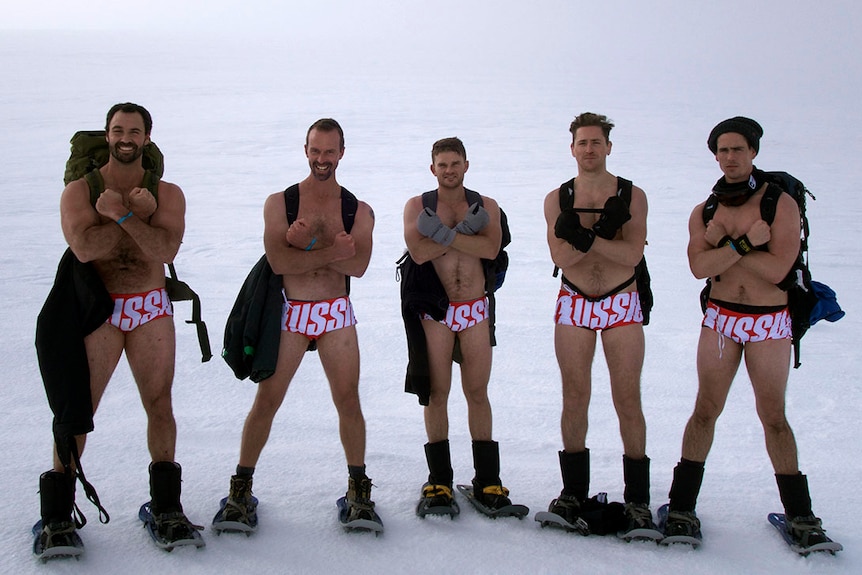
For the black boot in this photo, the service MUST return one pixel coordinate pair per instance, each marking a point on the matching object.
(681, 519)
(57, 499)
(687, 479)
(487, 487)
(165, 487)
(165, 506)
(636, 495)
(575, 470)
(802, 524)
(439, 460)
(437, 492)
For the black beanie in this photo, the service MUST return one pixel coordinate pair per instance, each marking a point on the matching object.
(750, 130)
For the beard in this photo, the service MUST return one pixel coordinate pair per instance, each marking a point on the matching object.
(126, 157)
(322, 176)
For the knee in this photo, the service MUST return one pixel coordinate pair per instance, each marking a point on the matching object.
(629, 406)
(774, 420)
(347, 402)
(476, 396)
(265, 404)
(706, 412)
(159, 405)
(438, 400)
(576, 401)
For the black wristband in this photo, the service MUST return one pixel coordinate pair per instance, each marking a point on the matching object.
(742, 245)
(725, 241)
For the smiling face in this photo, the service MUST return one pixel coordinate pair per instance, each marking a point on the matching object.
(449, 168)
(590, 148)
(126, 137)
(735, 157)
(323, 151)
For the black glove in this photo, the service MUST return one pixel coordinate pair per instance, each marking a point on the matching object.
(614, 215)
(568, 227)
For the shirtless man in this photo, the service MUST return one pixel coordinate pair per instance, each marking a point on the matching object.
(745, 258)
(128, 237)
(597, 245)
(456, 237)
(313, 255)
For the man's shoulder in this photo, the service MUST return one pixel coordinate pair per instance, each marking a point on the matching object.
(414, 201)
(488, 201)
(169, 188)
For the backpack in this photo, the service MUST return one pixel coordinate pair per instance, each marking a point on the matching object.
(808, 301)
(642, 277)
(89, 153)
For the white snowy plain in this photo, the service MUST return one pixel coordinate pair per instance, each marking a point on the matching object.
(230, 113)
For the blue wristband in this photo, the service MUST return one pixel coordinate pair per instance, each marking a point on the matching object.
(311, 245)
(126, 217)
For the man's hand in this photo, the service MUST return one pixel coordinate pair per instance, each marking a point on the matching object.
(715, 234)
(614, 215)
(300, 234)
(568, 227)
(110, 204)
(474, 221)
(429, 225)
(142, 203)
(759, 233)
(343, 247)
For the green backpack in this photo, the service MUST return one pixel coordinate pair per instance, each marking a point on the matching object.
(89, 153)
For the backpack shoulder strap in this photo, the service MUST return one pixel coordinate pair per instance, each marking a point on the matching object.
(429, 200)
(567, 195)
(151, 182)
(349, 206)
(96, 184)
(768, 202)
(291, 203)
(473, 197)
(709, 208)
(624, 190)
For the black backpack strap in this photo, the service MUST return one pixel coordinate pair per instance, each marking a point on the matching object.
(180, 291)
(709, 208)
(624, 190)
(429, 200)
(473, 197)
(769, 202)
(291, 203)
(567, 195)
(349, 206)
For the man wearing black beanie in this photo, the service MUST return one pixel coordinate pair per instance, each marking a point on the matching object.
(746, 313)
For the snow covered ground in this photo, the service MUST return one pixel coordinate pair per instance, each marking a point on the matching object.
(231, 107)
